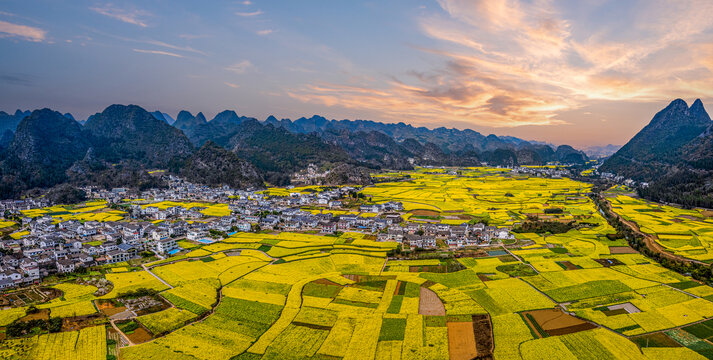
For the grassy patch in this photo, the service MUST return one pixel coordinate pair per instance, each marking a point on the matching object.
(356, 303)
(699, 330)
(435, 321)
(395, 306)
(517, 269)
(392, 329)
(184, 304)
(683, 285)
(588, 290)
(321, 290)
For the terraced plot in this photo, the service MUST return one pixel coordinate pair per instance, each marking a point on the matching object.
(688, 233)
(576, 295)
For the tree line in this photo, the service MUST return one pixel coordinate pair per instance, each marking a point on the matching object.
(636, 241)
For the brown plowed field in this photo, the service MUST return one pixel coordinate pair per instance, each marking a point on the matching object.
(429, 303)
(483, 329)
(622, 250)
(140, 335)
(461, 342)
(556, 322)
(108, 309)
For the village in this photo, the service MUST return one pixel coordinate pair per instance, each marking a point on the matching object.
(50, 247)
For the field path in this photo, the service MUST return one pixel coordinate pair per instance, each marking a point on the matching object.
(292, 307)
(683, 291)
(518, 259)
(195, 258)
(664, 284)
(212, 310)
(128, 341)
(156, 276)
(649, 240)
(510, 253)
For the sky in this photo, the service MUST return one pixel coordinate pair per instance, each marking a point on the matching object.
(584, 73)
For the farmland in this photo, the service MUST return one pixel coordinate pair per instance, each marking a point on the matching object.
(486, 193)
(291, 295)
(207, 209)
(684, 232)
(89, 211)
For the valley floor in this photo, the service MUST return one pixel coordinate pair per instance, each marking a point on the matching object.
(578, 294)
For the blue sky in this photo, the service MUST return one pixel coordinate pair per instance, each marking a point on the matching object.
(585, 73)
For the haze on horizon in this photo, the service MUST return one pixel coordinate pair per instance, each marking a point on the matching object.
(584, 73)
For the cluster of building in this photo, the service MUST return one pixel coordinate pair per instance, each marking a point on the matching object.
(550, 172)
(63, 247)
(18, 271)
(178, 189)
(622, 180)
(15, 206)
(309, 175)
(455, 236)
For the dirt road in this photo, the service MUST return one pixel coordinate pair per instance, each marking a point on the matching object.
(650, 240)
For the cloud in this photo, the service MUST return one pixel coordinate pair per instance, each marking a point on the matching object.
(246, 2)
(24, 32)
(149, 42)
(234, 86)
(240, 67)
(403, 102)
(249, 14)
(130, 16)
(509, 63)
(16, 79)
(158, 52)
(173, 47)
(192, 36)
(265, 32)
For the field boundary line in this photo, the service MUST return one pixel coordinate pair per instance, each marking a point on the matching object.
(156, 276)
(128, 341)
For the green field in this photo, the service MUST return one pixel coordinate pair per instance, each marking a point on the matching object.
(688, 233)
(303, 296)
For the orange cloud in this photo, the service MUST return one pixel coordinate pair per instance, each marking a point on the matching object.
(129, 16)
(508, 63)
(403, 102)
(22, 31)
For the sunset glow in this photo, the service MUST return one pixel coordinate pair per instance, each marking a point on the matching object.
(585, 72)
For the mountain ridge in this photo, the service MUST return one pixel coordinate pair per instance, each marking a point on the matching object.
(661, 144)
(130, 132)
(674, 153)
(117, 146)
(455, 147)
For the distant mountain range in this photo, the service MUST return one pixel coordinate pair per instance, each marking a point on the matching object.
(599, 152)
(163, 116)
(674, 152)
(113, 148)
(388, 145)
(44, 148)
(8, 124)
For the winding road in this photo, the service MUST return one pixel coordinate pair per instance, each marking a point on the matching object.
(156, 276)
(650, 240)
